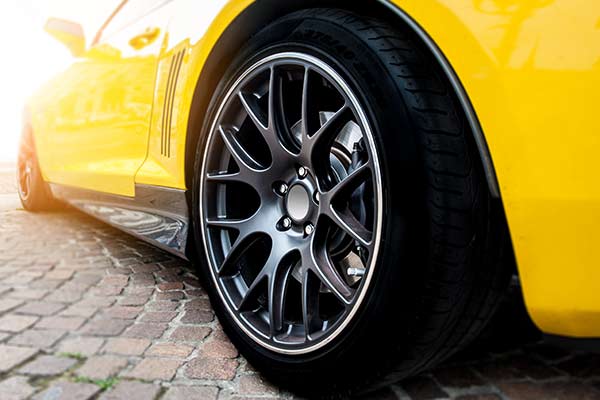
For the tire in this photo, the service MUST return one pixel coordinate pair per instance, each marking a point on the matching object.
(440, 267)
(34, 192)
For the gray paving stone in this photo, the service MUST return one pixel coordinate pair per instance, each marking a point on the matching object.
(47, 365)
(16, 388)
(12, 356)
(64, 390)
(128, 390)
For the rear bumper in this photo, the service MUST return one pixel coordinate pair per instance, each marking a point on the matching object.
(557, 246)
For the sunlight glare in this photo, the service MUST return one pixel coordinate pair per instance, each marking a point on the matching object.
(31, 56)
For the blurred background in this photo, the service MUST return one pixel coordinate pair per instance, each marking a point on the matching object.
(30, 56)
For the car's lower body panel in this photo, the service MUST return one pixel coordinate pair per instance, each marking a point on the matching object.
(156, 214)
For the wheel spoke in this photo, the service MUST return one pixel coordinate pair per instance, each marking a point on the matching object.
(239, 154)
(240, 225)
(344, 218)
(310, 114)
(319, 262)
(350, 183)
(251, 293)
(225, 177)
(349, 224)
(250, 104)
(311, 286)
(239, 247)
(319, 144)
(278, 281)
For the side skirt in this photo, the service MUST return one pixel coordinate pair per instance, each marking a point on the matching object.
(157, 215)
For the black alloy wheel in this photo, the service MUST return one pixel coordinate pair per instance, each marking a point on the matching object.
(291, 202)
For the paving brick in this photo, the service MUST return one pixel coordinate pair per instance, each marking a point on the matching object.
(47, 366)
(218, 349)
(582, 365)
(191, 392)
(102, 367)
(126, 346)
(64, 296)
(16, 323)
(146, 330)
(106, 291)
(40, 308)
(142, 279)
(105, 327)
(423, 388)
(61, 274)
(96, 301)
(12, 356)
(123, 312)
(61, 323)
(78, 311)
(16, 388)
(133, 300)
(197, 317)
(127, 390)
(145, 268)
(255, 384)
(158, 316)
(150, 369)
(28, 294)
(192, 283)
(172, 296)
(65, 390)
(457, 377)
(115, 280)
(86, 346)
(162, 305)
(9, 304)
(190, 333)
(200, 303)
(193, 293)
(168, 286)
(41, 338)
(170, 350)
(211, 368)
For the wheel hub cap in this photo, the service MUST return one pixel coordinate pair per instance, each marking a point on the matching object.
(297, 203)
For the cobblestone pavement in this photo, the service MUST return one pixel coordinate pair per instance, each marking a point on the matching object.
(88, 312)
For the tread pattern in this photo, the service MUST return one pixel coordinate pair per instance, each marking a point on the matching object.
(463, 287)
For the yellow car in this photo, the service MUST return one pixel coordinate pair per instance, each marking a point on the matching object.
(356, 181)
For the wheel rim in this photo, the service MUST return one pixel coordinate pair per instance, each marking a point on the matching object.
(291, 203)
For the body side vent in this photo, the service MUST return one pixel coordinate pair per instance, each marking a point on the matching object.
(167, 114)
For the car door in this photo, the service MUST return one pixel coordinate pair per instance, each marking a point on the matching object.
(104, 103)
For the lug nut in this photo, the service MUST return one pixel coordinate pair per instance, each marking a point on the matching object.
(317, 197)
(282, 189)
(286, 223)
(302, 172)
(309, 229)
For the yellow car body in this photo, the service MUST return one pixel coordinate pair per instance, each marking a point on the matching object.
(124, 113)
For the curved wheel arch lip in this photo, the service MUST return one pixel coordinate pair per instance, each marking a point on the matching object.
(241, 14)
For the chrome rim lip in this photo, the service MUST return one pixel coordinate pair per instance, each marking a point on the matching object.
(378, 186)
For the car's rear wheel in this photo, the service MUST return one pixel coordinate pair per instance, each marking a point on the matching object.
(33, 191)
(348, 235)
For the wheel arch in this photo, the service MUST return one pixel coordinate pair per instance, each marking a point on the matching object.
(260, 13)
